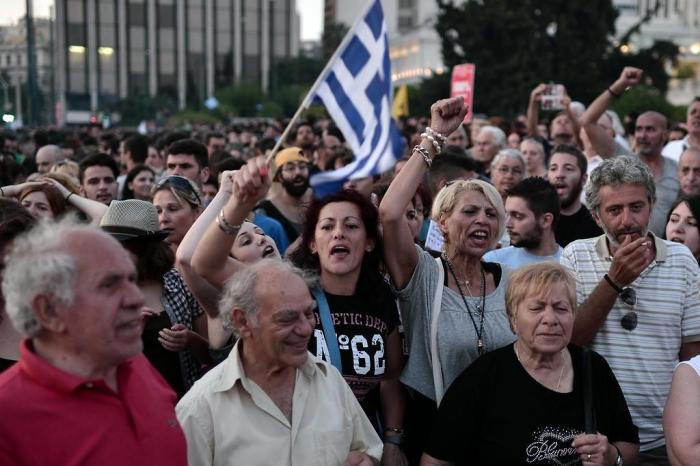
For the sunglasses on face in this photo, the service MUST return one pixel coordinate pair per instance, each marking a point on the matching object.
(630, 320)
(181, 184)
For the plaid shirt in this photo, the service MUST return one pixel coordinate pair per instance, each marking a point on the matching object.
(182, 308)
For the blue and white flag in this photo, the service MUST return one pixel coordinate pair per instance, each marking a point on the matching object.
(356, 92)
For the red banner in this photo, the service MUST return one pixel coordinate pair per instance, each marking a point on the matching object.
(463, 84)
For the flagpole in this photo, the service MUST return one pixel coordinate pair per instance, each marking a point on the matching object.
(321, 77)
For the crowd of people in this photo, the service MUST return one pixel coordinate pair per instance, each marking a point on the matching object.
(521, 293)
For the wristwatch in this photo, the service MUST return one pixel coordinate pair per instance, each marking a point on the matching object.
(618, 461)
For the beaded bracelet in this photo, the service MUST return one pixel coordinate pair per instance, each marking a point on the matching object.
(437, 135)
(225, 226)
(433, 141)
(424, 153)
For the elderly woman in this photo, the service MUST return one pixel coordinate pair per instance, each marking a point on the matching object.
(507, 170)
(526, 403)
(682, 223)
(535, 156)
(453, 306)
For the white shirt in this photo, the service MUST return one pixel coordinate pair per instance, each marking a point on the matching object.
(674, 149)
(229, 420)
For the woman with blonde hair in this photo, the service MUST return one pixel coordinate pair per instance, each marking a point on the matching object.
(568, 407)
(452, 306)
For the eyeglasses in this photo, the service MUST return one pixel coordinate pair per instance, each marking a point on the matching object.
(291, 167)
(181, 184)
(629, 321)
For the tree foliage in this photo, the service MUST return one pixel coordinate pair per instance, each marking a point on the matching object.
(333, 35)
(516, 44)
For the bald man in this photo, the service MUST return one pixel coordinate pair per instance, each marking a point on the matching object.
(46, 157)
(650, 136)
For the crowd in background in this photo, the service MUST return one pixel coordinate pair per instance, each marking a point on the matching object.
(439, 277)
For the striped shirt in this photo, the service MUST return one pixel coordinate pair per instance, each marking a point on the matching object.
(668, 311)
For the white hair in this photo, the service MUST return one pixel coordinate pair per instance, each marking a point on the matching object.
(499, 137)
(36, 266)
(239, 291)
(509, 154)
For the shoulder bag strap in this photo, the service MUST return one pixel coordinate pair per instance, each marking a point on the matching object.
(324, 313)
(589, 415)
(438, 382)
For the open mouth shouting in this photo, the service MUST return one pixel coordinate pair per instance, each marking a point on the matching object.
(269, 251)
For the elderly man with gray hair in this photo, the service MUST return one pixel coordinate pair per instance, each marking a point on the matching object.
(81, 392)
(46, 157)
(488, 142)
(637, 295)
(270, 401)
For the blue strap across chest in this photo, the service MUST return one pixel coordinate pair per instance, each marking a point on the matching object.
(324, 313)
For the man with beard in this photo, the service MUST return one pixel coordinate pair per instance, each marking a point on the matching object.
(650, 137)
(533, 212)
(290, 169)
(567, 173)
(306, 140)
(637, 296)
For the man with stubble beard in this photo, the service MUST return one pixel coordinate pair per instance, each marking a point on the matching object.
(567, 173)
(290, 168)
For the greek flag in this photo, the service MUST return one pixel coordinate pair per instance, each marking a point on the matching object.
(356, 92)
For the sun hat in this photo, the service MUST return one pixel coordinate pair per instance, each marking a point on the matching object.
(132, 218)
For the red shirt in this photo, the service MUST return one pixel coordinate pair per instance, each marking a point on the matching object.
(48, 416)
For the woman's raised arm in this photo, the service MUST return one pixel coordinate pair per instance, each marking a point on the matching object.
(399, 251)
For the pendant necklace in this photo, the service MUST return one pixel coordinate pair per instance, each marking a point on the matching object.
(478, 329)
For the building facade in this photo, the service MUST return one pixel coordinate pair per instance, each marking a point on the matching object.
(677, 21)
(414, 46)
(183, 49)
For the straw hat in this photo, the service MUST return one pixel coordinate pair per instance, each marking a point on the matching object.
(132, 218)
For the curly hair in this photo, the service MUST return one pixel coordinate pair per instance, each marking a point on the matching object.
(370, 275)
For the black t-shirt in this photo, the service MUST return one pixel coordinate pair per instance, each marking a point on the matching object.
(292, 230)
(165, 361)
(362, 324)
(577, 226)
(495, 413)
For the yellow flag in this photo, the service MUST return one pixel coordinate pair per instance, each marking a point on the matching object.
(400, 106)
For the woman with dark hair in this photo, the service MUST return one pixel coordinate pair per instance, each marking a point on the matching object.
(14, 220)
(176, 325)
(139, 182)
(682, 223)
(356, 318)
